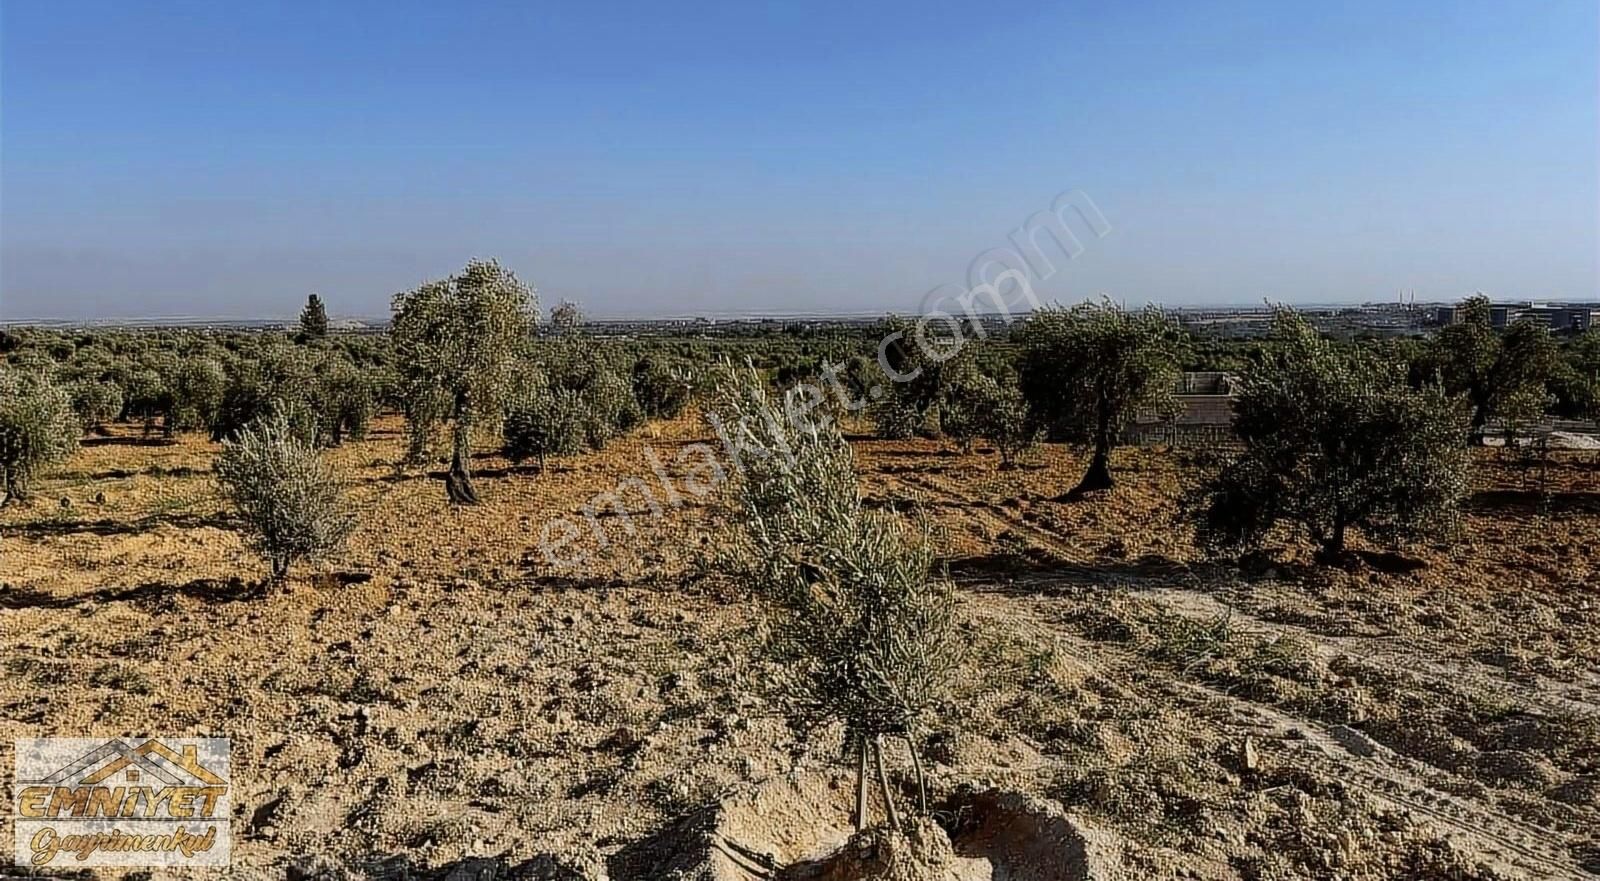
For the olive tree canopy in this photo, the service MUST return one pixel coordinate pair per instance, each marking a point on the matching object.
(456, 341)
(1088, 370)
(1503, 375)
(1334, 438)
(37, 428)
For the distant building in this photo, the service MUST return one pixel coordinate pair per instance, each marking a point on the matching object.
(1203, 412)
(1557, 317)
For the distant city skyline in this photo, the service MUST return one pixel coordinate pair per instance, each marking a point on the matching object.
(223, 161)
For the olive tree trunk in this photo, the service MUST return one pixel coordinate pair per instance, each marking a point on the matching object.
(1098, 476)
(458, 482)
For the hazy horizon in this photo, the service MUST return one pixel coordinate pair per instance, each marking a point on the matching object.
(215, 161)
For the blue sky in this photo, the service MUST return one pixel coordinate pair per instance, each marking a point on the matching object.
(222, 159)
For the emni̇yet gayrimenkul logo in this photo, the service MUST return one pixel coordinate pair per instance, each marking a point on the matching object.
(138, 802)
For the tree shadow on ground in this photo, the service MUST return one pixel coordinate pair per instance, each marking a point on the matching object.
(913, 502)
(56, 528)
(1390, 562)
(511, 470)
(120, 441)
(1036, 572)
(152, 471)
(544, 867)
(1531, 501)
(211, 590)
(935, 468)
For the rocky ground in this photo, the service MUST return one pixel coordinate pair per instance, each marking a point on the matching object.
(441, 694)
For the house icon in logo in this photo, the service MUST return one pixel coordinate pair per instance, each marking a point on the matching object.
(151, 763)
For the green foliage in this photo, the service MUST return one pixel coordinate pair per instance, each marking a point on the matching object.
(609, 405)
(344, 398)
(314, 319)
(1335, 438)
(37, 428)
(663, 385)
(965, 400)
(96, 402)
(271, 376)
(861, 629)
(1577, 381)
(456, 342)
(1007, 423)
(1088, 370)
(196, 388)
(909, 376)
(982, 400)
(288, 499)
(542, 421)
(1504, 376)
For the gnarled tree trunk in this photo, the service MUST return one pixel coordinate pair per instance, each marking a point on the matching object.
(1098, 476)
(458, 481)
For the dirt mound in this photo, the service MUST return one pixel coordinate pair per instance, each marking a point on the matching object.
(1027, 838)
(798, 829)
(920, 852)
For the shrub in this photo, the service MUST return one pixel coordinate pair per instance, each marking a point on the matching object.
(1333, 439)
(966, 401)
(894, 419)
(1007, 424)
(862, 631)
(272, 376)
(541, 421)
(663, 387)
(344, 399)
(197, 387)
(37, 428)
(288, 498)
(609, 406)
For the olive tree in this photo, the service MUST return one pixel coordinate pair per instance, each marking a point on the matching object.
(609, 406)
(196, 386)
(662, 386)
(964, 402)
(455, 343)
(271, 376)
(542, 421)
(37, 428)
(344, 399)
(1334, 440)
(1007, 425)
(1086, 371)
(1579, 376)
(910, 376)
(861, 629)
(96, 401)
(566, 318)
(1502, 375)
(288, 499)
